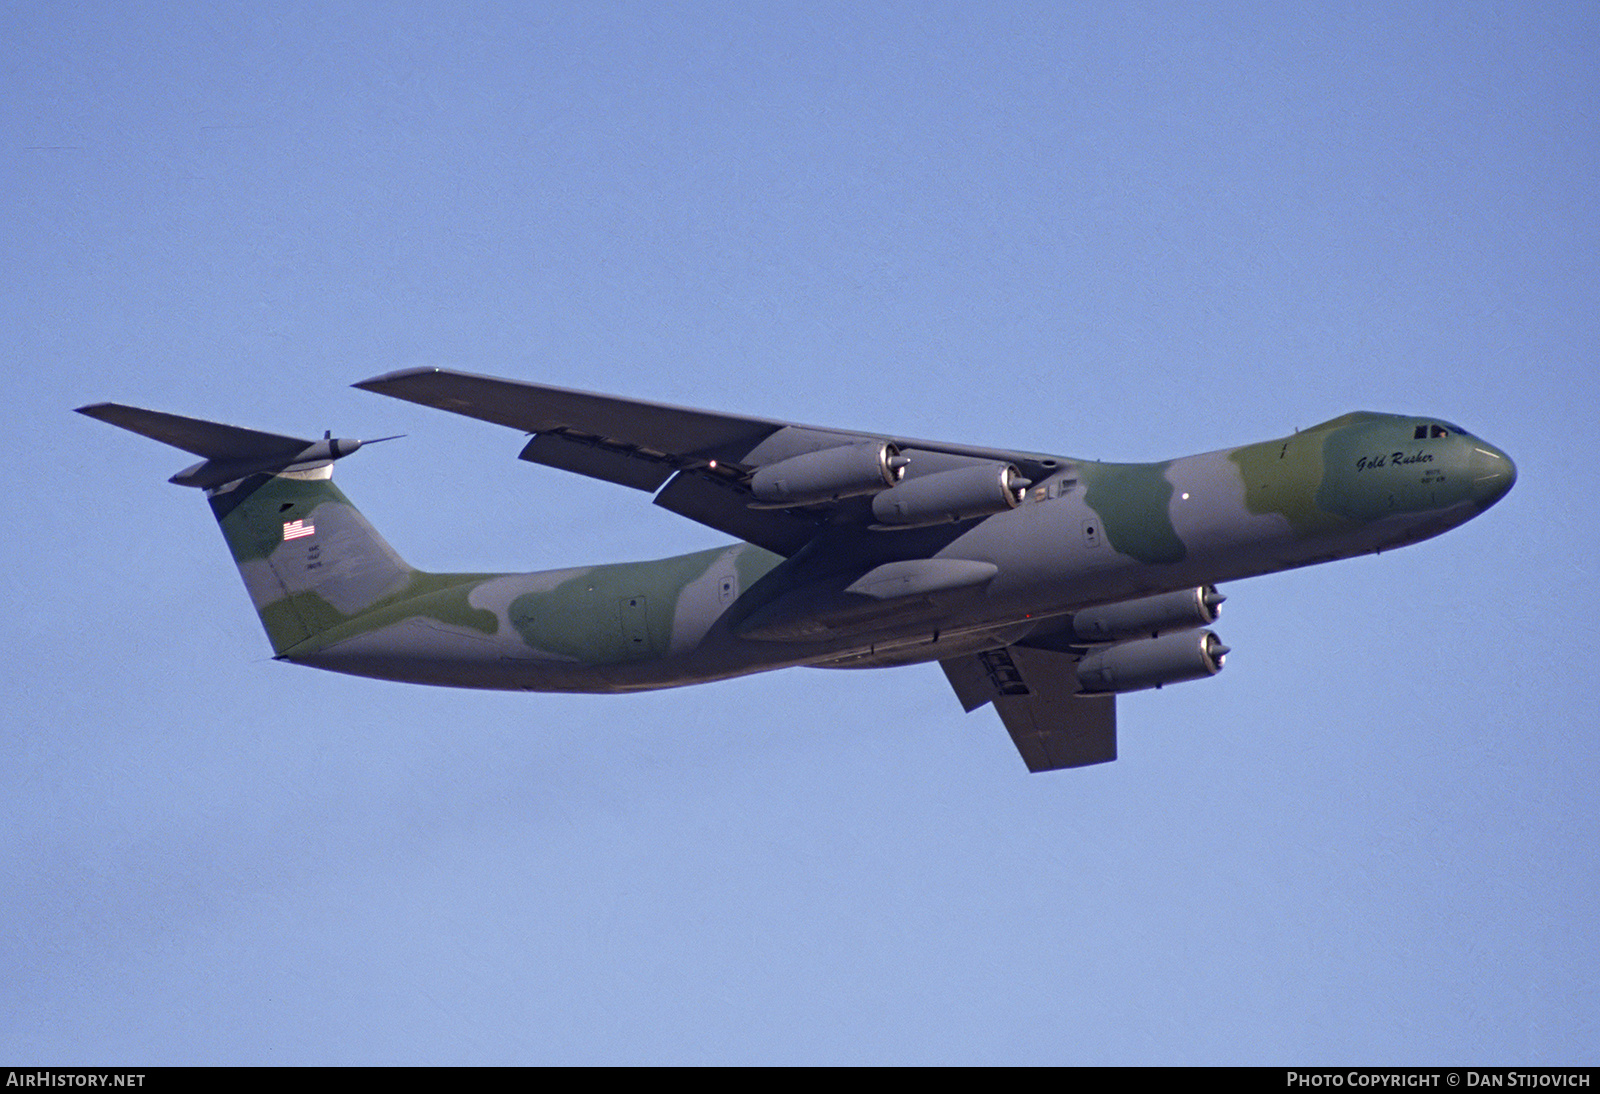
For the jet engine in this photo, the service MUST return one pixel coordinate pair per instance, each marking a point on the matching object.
(842, 472)
(957, 494)
(1152, 662)
(1179, 611)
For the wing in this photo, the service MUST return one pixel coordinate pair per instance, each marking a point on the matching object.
(704, 458)
(1036, 693)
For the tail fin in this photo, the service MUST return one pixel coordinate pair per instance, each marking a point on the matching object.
(308, 557)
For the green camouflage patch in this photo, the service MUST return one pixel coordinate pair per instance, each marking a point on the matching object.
(1133, 500)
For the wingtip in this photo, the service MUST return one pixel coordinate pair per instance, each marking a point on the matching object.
(376, 383)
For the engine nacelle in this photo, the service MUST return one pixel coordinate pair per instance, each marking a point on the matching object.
(833, 473)
(1152, 662)
(1152, 615)
(957, 494)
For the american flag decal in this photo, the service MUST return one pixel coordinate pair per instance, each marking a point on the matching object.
(297, 529)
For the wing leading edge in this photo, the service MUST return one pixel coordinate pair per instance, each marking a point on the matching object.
(703, 458)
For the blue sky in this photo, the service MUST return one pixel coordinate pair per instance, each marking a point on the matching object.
(1110, 231)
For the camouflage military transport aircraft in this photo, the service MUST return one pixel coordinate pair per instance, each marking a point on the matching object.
(1042, 584)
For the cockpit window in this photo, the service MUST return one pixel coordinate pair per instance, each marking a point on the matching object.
(1432, 430)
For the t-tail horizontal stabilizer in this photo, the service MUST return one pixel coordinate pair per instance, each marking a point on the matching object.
(230, 452)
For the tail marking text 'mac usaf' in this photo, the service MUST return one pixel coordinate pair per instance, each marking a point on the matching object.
(1042, 584)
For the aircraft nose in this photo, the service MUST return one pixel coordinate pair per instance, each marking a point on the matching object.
(1493, 473)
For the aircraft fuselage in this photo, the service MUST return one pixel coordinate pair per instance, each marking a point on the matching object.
(1090, 534)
